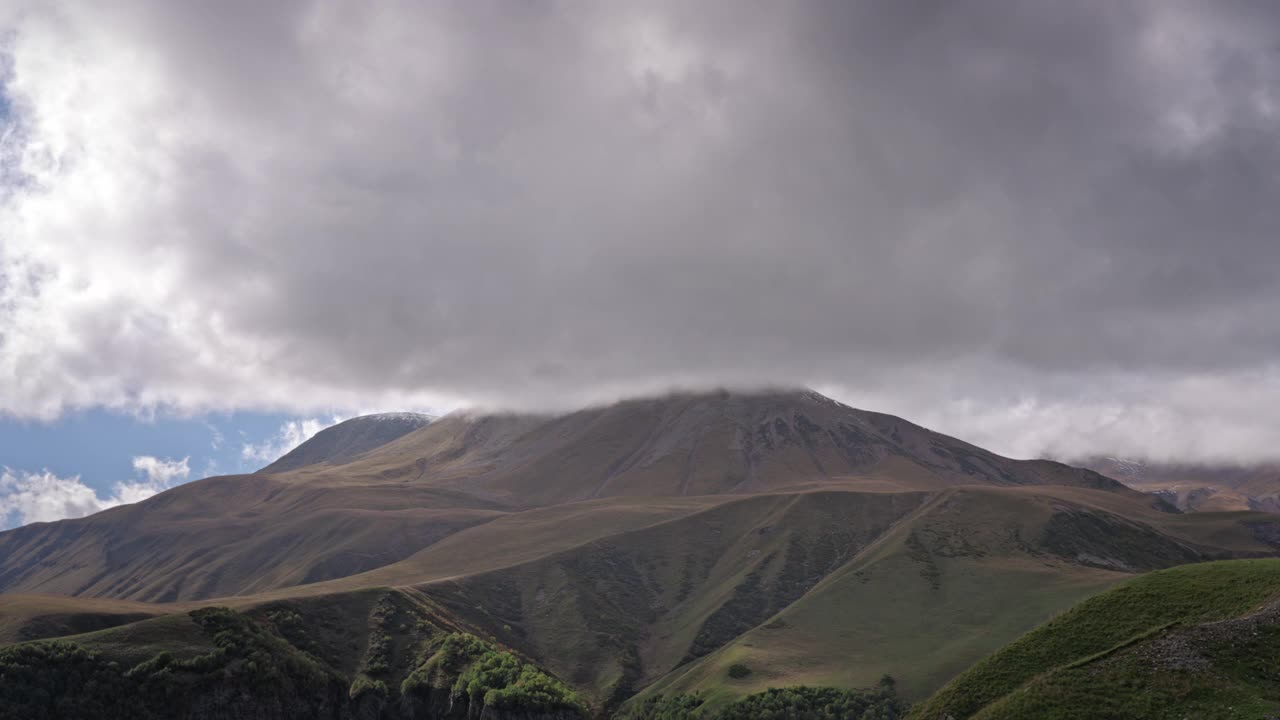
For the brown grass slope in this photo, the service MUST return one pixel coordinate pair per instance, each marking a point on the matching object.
(229, 536)
(695, 444)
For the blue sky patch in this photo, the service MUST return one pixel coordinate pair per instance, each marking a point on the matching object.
(99, 446)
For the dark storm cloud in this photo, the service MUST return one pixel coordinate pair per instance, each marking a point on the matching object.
(959, 210)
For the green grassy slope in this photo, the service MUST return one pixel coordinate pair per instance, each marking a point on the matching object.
(1146, 649)
(972, 570)
(613, 614)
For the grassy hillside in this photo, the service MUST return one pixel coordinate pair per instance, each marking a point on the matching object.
(234, 535)
(1153, 646)
(834, 588)
(613, 614)
(715, 545)
(971, 570)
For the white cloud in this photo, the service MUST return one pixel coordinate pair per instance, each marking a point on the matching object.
(290, 435)
(42, 497)
(302, 205)
(161, 473)
(216, 440)
(158, 476)
(27, 497)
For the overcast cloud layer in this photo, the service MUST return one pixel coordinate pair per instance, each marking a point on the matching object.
(1047, 227)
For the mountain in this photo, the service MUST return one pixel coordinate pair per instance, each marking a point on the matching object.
(339, 512)
(1199, 487)
(339, 443)
(1193, 641)
(710, 545)
(695, 444)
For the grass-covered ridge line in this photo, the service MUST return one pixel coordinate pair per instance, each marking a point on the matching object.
(1082, 640)
(478, 675)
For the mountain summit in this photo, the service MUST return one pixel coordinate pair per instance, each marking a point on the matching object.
(339, 443)
(697, 444)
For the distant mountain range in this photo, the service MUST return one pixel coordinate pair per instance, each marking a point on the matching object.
(1199, 487)
(716, 544)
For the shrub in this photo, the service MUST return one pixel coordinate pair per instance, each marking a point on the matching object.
(484, 676)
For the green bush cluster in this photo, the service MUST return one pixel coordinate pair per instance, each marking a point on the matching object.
(377, 659)
(59, 679)
(792, 703)
(485, 677)
(667, 707)
(364, 685)
(818, 703)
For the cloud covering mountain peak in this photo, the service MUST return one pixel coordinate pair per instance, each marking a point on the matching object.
(1045, 230)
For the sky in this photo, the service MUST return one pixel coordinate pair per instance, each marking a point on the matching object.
(1046, 228)
(90, 460)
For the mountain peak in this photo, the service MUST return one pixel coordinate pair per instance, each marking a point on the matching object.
(349, 438)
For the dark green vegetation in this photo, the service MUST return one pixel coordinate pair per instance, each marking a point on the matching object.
(468, 672)
(267, 664)
(247, 672)
(809, 703)
(715, 546)
(1196, 641)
